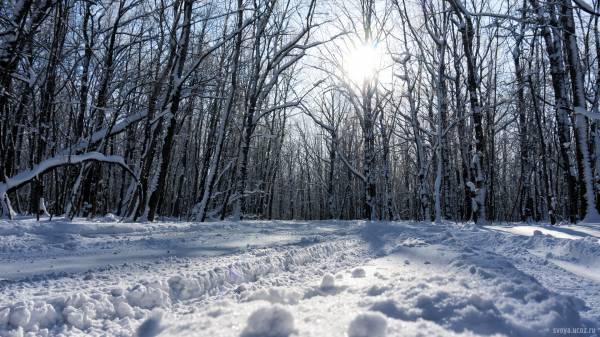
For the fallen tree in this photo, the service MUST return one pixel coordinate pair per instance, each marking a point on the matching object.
(24, 177)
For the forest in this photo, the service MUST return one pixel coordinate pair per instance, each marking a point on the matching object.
(299, 168)
(301, 109)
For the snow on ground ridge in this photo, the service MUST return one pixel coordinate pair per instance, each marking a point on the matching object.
(504, 299)
(467, 291)
(391, 279)
(80, 310)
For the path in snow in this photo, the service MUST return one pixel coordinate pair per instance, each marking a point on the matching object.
(328, 278)
(565, 259)
(572, 232)
(29, 248)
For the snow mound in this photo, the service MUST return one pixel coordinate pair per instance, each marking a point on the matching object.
(326, 288)
(20, 315)
(186, 288)
(390, 309)
(358, 273)
(151, 326)
(217, 279)
(328, 282)
(368, 325)
(503, 308)
(513, 302)
(149, 296)
(77, 310)
(377, 290)
(585, 249)
(275, 321)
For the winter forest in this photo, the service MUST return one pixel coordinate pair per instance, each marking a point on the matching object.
(189, 152)
(301, 109)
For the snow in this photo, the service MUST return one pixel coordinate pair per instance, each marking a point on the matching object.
(276, 295)
(295, 278)
(368, 325)
(328, 282)
(151, 327)
(274, 321)
(358, 273)
(562, 232)
(586, 271)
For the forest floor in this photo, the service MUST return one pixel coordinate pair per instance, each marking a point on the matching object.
(297, 278)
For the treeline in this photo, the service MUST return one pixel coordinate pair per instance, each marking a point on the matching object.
(245, 109)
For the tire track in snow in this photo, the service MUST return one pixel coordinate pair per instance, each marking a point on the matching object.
(88, 309)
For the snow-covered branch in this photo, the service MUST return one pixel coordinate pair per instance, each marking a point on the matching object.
(24, 177)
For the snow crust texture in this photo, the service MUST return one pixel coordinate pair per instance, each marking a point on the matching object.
(357, 280)
(274, 321)
(83, 311)
(368, 325)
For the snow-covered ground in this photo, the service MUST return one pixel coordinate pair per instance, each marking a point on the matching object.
(297, 278)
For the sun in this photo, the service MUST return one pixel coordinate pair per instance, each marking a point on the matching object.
(362, 64)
